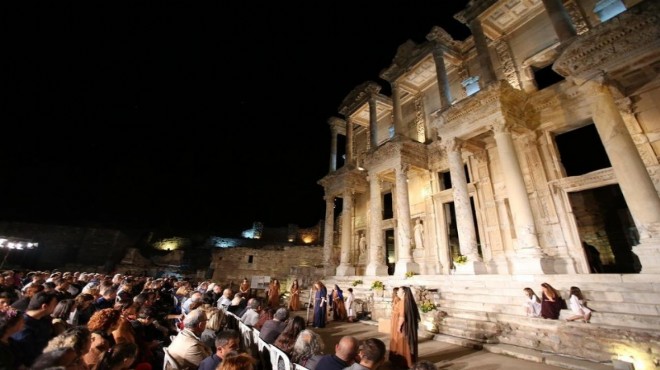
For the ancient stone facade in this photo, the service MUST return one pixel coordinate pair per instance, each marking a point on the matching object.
(483, 170)
(472, 145)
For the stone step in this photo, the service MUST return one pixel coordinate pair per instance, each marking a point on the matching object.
(469, 324)
(633, 307)
(549, 359)
(458, 341)
(475, 335)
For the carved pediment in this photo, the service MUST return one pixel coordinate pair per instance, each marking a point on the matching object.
(630, 37)
(358, 96)
(407, 55)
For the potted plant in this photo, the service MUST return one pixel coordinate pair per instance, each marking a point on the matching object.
(409, 274)
(460, 260)
(378, 287)
(356, 282)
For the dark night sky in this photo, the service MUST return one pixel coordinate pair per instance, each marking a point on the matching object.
(185, 114)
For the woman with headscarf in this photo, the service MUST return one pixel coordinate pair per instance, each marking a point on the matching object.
(403, 342)
(320, 304)
(338, 307)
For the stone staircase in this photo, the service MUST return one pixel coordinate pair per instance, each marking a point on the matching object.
(484, 310)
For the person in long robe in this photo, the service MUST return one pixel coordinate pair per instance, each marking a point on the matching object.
(294, 300)
(338, 307)
(403, 340)
(244, 289)
(274, 294)
(320, 304)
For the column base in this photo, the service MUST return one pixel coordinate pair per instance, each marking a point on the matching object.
(648, 253)
(499, 266)
(329, 270)
(471, 268)
(374, 269)
(345, 270)
(532, 265)
(403, 267)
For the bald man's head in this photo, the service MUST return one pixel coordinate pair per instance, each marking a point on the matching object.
(347, 349)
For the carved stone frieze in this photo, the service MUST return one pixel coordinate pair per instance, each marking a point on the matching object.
(358, 97)
(419, 118)
(498, 103)
(587, 181)
(577, 18)
(409, 152)
(346, 178)
(508, 65)
(632, 35)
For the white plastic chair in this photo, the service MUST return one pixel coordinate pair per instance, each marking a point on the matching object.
(277, 356)
(169, 363)
(299, 367)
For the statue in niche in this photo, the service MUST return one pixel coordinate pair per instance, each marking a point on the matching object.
(362, 247)
(419, 234)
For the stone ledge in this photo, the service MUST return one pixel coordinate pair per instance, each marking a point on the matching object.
(541, 357)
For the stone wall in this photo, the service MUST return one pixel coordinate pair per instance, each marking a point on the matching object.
(80, 248)
(279, 262)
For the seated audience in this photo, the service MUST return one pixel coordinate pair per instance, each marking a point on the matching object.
(226, 342)
(273, 328)
(345, 354)
(371, 355)
(308, 349)
(187, 349)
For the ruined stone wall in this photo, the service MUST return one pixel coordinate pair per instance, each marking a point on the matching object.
(82, 248)
(234, 264)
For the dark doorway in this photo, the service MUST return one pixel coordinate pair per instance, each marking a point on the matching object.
(390, 254)
(546, 76)
(452, 229)
(388, 206)
(604, 221)
(581, 151)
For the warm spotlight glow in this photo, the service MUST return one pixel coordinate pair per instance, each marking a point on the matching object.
(308, 239)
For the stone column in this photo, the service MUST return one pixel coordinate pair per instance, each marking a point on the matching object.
(328, 236)
(334, 131)
(487, 74)
(560, 19)
(345, 267)
(399, 128)
(376, 265)
(349, 141)
(373, 122)
(467, 235)
(441, 76)
(634, 180)
(404, 261)
(528, 252)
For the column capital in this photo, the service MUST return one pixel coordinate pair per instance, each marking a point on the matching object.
(403, 168)
(452, 144)
(500, 126)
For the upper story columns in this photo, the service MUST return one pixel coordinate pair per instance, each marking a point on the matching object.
(561, 22)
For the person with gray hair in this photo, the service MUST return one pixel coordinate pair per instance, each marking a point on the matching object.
(424, 365)
(251, 315)
(308, 349)
(273, 328)
(187, 349)
(372, 355)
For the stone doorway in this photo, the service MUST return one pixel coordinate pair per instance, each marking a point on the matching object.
(604, 221)
(452, 229)
(390, 251)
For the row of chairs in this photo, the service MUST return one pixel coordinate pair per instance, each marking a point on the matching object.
(270, 357)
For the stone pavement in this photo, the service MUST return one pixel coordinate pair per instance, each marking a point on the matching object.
(454, 357)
